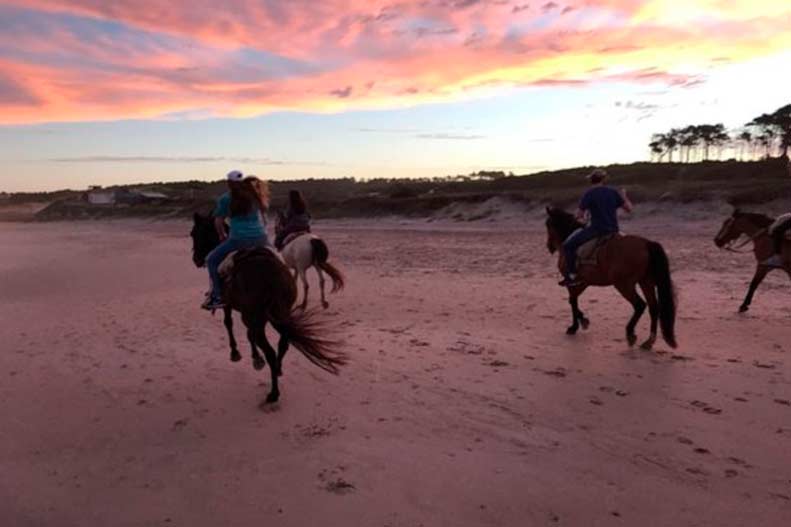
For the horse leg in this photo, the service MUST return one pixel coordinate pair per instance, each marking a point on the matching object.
(760, 274)
(629, 293)
(649, 291)
(324, 302)
(305, 287)
(228, 321)
(274, 393)
(583, 320)
(577, 317)
(252, 327)
(575, 312)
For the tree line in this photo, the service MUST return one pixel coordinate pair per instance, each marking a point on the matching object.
(765, 136)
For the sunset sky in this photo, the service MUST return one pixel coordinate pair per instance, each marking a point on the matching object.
(120, 91)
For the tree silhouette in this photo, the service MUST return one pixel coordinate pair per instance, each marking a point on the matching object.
(745, 139)
(770, 131)
(781, 120)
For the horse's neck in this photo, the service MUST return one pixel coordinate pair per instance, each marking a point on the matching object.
(762, 243)
(752, 229)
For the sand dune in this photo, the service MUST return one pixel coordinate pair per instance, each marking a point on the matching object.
(465, 403)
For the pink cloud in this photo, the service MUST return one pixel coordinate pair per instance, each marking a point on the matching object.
(255, 56)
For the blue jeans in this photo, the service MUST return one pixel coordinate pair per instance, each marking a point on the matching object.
(216, 257)
(576, 240)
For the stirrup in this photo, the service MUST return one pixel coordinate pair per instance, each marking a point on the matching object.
(569, 282)
(212, 304)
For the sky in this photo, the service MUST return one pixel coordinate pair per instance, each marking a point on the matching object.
(126, 91)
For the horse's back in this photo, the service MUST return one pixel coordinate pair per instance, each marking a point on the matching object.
(298, 254)
(620, 257)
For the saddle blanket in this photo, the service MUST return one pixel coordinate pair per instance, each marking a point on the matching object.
(588, 253)
(226, 267)
(293, 236)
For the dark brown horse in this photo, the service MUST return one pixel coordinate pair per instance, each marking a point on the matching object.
(262, 289)
(756, 228)
(624, 262)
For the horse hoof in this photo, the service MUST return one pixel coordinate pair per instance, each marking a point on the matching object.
(647, 345)
(236, 356)
(743, 309)
(259, 363)
(325, 305)
(272, 398)
(631, 339)
(572, 330)
(585, 323)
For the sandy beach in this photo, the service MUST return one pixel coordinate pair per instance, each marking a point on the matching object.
(464, 404)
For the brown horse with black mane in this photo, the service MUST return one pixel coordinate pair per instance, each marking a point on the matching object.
(623, 262)
(261, 287)
(756, 228)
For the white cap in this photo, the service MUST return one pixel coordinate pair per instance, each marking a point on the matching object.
(235, 175)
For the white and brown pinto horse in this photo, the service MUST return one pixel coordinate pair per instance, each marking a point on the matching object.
(303, 250)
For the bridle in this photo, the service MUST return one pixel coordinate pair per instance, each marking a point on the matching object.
(735, 245)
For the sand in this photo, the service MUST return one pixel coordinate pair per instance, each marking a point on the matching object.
(465, 404)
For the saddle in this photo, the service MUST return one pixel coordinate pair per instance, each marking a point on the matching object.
(293, 236)
(226, 267)
(588, 253)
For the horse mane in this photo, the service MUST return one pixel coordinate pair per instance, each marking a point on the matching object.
(563, 222)
(761, 220)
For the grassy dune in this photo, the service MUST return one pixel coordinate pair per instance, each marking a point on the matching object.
(740, 183)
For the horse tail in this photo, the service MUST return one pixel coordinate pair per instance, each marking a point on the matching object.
(659, 268)
(320, 255)
(320, 251)
(302, 330)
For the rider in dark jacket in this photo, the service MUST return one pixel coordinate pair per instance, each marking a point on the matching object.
(601, 203)
(296, 219)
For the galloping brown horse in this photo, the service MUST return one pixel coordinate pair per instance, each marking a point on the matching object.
(756, 228)
(263, 290)
(623, 262)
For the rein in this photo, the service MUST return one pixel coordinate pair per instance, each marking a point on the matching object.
(735, 248)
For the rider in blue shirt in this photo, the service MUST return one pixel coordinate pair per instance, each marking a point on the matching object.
(244, 205)
(601, 203)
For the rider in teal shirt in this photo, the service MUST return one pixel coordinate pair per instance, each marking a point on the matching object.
(247, 228)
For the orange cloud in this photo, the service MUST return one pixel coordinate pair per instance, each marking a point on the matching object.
(73, 60)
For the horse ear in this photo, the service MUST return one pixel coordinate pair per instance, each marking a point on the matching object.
(197, 217)
(549, 210)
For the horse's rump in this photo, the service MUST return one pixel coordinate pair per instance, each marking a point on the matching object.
(259, 280)
(293, 236)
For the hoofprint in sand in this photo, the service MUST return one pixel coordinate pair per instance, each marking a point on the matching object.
(464, 404)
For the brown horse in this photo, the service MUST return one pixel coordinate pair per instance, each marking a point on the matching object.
(756, 228)
(262, 289)
(623, 262)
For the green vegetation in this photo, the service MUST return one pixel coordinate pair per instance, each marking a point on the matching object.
(738, 182)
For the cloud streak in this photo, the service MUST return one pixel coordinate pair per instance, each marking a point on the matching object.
(80, 60)
(263, 161)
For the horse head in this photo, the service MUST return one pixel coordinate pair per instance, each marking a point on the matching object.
(560, 224)
(738, 224)
(204, 238)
